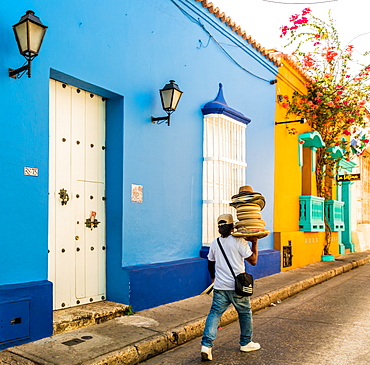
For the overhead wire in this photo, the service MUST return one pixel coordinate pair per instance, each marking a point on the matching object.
(199, 23)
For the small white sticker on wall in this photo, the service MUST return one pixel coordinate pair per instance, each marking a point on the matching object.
(31, 171)
(136, 193)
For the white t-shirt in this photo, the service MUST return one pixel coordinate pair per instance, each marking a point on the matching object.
(236, 250)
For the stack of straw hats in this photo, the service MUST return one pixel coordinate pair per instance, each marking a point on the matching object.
(248, 205)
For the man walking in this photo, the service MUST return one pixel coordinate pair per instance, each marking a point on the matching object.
(237, 250)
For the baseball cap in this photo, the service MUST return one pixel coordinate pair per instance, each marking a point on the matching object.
(228, 218)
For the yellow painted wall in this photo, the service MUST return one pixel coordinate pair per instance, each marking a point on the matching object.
(288, 174)
(307, 246)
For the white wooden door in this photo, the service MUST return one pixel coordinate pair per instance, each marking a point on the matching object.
(76, 195)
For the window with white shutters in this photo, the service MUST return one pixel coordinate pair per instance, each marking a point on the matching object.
(224, 169)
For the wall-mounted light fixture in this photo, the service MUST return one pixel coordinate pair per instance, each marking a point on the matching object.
(29, 34)
(280, 98)
(302, 120)
(170, 96)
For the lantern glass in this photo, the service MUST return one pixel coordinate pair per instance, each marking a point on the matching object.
(36, 36)
(20, 31)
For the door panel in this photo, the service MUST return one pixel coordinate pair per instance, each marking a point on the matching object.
(76, 254)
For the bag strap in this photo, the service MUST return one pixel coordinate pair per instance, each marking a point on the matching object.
(227, 261)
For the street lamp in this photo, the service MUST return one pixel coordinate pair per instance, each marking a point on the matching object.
(29, 34)
(170, 97)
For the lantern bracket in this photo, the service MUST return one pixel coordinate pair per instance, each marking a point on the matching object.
(15, 73)
(302, 120)
(161, 120)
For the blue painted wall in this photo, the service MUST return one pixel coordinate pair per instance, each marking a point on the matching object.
(127, 51)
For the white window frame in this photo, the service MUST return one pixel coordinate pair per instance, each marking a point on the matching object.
(224, 169)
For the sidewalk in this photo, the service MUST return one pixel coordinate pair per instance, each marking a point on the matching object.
(132, 339)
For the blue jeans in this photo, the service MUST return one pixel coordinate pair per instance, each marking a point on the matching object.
(221, 300)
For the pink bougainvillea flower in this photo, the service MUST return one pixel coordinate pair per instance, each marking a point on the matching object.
(306, 11)
(285, 105)
(317, 36)
(366, 140)
(303, 20)
(338, 106)
(284, 31)
(347, 132)
(294, 17)
(350, 120)
(339, 92)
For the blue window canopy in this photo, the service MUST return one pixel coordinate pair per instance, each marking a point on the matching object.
(311, 139)
(335, 152)
(219, 106)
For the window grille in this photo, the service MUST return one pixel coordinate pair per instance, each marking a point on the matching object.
(224, 169)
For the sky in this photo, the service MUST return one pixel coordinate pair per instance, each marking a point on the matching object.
(262, 19)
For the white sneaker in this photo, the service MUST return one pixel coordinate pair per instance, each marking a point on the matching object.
(251, 346)
(206, 353)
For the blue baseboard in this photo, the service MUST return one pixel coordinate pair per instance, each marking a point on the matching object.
(148, 286)
(26, 313)
(157, 284)
(268, 263)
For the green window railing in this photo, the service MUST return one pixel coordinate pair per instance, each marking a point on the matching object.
(334, 211)
(311, 213)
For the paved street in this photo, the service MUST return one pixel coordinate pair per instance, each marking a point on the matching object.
(328, 324)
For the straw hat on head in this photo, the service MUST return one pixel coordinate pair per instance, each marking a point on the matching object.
(227, 218)
(246, 188)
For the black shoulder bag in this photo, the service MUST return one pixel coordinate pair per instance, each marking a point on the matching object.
(243, 282)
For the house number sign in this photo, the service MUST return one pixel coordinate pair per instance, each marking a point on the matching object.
(31, 171)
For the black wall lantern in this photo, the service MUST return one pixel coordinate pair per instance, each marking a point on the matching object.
(29, 34)
(170, 97)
